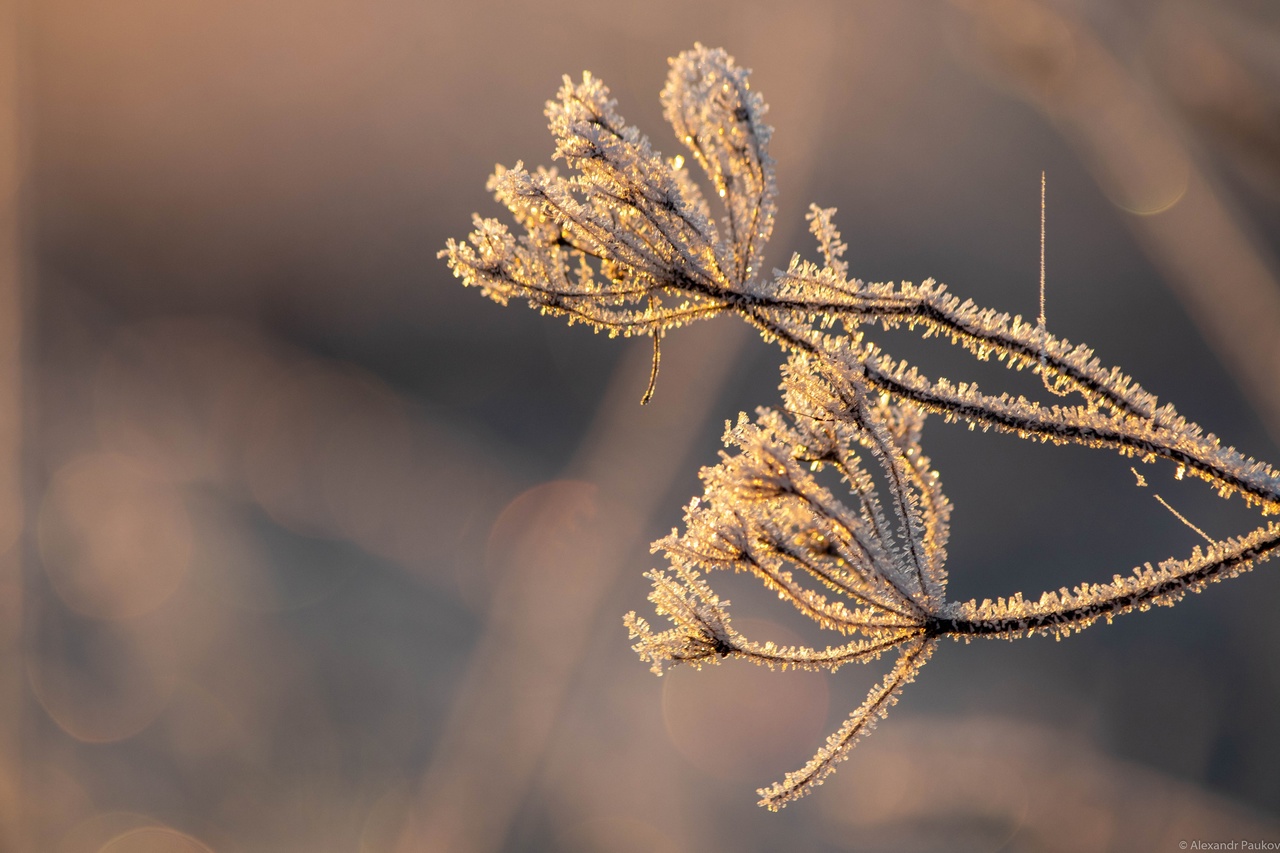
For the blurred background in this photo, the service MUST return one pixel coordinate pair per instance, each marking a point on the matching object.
(307, 548)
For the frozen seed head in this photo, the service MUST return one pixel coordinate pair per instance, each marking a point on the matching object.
(626, 242)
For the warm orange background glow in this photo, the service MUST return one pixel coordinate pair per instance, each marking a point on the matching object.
(308, 549)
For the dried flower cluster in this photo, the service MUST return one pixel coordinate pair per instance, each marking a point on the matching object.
(628, 244)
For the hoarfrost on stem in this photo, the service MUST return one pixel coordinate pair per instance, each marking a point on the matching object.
(629, 245)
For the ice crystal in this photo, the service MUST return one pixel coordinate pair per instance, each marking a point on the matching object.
(628, 244)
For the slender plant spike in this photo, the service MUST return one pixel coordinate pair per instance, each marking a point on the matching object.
(628, 244)
(1041, 319)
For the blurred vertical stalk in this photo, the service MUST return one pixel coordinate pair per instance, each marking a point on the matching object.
(11, 516)
(542, 619)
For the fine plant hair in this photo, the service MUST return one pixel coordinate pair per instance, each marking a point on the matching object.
(628, 245)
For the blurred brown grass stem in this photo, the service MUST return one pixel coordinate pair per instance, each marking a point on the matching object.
(11, 515)
(538, 628)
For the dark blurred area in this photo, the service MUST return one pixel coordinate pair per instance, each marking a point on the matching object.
(307, 548)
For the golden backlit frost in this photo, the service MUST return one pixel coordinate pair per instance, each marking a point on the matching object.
(628, 245)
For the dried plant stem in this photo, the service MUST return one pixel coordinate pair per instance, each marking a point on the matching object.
(649, 258)
(1137, 428)
(1110, 600)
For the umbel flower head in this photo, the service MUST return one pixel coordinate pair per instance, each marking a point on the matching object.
(628, 245)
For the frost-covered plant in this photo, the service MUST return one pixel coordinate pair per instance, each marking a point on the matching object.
(628, 244)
